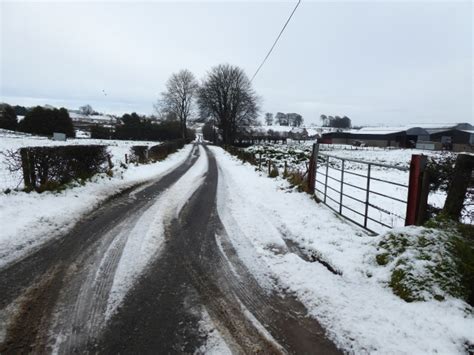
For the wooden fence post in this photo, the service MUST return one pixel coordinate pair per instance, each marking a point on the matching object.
(417, 167)
(25, 165)
(462, 178)
(109, 161)
(312, 168)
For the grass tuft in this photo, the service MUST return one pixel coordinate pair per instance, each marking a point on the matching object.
(431, 262)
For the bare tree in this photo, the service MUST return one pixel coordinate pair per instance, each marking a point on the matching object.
(226, 96)
(179, 97)
(282, 119)
(324, 119)
(298, 120)
(269, 118)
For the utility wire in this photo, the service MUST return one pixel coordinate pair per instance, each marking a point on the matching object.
(276, 40)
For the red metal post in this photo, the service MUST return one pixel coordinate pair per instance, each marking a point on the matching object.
(417, 166)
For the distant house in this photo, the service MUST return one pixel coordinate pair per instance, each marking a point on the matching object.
(85, 123)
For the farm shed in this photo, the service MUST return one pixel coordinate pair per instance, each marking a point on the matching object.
(379, 136)
(458, 140)
(432, 128)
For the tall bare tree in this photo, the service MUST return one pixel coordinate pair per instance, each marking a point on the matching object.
(179, 98)
(226, 95)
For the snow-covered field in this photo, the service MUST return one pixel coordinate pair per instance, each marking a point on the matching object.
(10, 140)
(29, 219)
(356, 307)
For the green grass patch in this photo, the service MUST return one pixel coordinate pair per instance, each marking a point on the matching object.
(431, 262)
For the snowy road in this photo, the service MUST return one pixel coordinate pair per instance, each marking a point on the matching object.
(153, 270)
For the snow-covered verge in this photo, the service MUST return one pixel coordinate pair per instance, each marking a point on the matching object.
(357, 307)
(30, 219)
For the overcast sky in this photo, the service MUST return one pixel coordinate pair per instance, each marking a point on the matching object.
(377, 62)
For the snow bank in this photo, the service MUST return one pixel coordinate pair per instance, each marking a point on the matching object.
(358, 310)
(30, 219)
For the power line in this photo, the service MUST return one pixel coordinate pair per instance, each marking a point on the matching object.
(276, 40)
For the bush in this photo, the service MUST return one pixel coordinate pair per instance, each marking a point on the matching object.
(297, 179)
(44, 121)
(47, 168)
(139, 154)
(8, 119)
(246, 157)
(142, 154)
(101, 132)
(441, 173)
(273, 172)
(440, 170)
(161, 151)
(136, 128)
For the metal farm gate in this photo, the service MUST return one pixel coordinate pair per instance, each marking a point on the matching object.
(360, 191)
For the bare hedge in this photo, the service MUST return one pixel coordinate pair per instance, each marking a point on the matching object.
(47, 168)
(142, 154)
(139, 154)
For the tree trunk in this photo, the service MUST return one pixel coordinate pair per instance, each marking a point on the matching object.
(462, 179)
(183, 128)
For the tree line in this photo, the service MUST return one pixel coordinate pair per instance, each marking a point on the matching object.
(133, 127)
(336, 121)
(37, 120)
